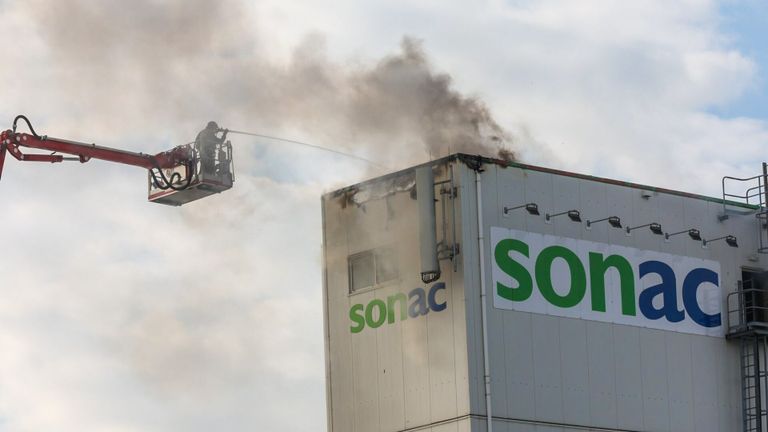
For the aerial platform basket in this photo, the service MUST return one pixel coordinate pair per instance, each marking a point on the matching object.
(209, 177)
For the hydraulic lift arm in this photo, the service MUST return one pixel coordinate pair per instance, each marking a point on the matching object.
(12, 142)
(177, 176)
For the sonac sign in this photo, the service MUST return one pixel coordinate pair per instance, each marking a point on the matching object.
(567, 277)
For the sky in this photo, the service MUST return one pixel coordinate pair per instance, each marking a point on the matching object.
(121, 315)
(744, 22)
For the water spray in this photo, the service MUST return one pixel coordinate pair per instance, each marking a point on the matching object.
(317, 147)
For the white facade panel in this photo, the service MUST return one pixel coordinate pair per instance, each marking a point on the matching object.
(547, 373)
(704, 371)
(655, 382)
(390, 380)
(679, 363)
(518, 349)
(415, 366)
(601, 371)
(396, 347)
(574, 361)
(365, 367)
(627, 366)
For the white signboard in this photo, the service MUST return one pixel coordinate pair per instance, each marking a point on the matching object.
(567, 277)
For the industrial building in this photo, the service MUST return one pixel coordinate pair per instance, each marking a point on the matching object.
(475, 294)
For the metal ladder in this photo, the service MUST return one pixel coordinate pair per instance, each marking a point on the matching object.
(754, 383)
(747, 320)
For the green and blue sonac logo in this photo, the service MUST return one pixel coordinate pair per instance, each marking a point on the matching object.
(600, 282)
(397, 307)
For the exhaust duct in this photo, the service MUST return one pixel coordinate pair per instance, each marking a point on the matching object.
(425, 193)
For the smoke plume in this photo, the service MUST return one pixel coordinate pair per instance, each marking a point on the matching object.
(211, 311)
(177, 62)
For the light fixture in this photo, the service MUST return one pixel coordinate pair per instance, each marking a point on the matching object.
(531, 208)
(653, 226)
(615, 221)
(729, 239)
(692, 233)
(573, 215)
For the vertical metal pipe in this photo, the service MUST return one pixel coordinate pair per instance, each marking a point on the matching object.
(444, 217)
(454, 244)
(758, 390)
(764, 377)
(425, 194)
(765, 184)
(744, 406)
(741, 300)
(483, 300)
(326, 327)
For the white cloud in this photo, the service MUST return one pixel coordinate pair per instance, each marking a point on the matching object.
(120, 315)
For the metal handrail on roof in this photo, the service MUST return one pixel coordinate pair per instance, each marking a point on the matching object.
(755, 191)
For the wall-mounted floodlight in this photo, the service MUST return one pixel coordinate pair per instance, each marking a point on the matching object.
(729, 239)
(654, 227)
(573, 215)
(615, 221)
(692, 233)
(531, 208)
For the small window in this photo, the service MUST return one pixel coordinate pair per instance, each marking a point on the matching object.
(372, 267)
(361, 273)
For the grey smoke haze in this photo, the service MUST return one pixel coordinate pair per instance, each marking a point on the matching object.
(118, 315)
(176, 64)
(205, 317)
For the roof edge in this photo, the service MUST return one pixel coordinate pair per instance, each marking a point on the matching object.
(473, 159)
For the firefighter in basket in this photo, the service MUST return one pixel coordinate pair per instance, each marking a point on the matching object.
(207, 142)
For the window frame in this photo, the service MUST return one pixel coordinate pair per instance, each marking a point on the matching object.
(375, 253)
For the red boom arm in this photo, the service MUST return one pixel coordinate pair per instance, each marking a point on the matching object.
(12, 142)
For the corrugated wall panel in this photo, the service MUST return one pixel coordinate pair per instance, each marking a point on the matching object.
(416, 375)
(547, 372)
(601, 370)
(442, 372)
(680, 366)
(342, 381)
(390, 373)
(629, 380)
(654, 384)
(470, 265)
(574, 363)
(729, 392)
(491, 216)
(704, 360)
(365, 367)
(518, 344)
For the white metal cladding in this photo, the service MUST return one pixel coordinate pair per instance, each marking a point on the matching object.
(410, 374)
(571, 373)
(548, 372)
